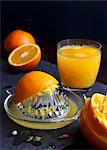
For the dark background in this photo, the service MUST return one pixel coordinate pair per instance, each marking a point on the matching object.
(50, 22)
(57, 20)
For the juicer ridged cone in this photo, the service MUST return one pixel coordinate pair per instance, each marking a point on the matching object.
(46, 106)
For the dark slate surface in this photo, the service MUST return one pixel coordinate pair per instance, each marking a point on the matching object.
(50, 138)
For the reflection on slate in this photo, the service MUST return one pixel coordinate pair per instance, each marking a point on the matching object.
(52, 139)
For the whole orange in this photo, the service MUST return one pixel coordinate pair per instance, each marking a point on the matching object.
(17, 38)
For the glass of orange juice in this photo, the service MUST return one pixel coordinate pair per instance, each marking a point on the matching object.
(78, 62)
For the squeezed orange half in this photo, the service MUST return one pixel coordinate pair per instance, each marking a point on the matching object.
(78, 65)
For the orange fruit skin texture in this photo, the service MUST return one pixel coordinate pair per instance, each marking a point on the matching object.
(17, 38)
(94, 131)
(31, 84)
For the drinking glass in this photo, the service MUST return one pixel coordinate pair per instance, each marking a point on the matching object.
(78, 63)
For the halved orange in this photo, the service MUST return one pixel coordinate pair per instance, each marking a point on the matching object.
(33, 83)
(98, 108)
(93, 120)
(25, 57)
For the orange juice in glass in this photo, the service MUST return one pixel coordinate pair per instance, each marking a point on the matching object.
(78, 62)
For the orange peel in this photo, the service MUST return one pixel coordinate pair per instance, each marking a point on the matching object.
(33, 83)
(93, 121)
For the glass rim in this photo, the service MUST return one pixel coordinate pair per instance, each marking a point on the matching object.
(79, 39)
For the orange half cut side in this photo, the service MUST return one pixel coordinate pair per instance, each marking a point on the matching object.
(25, 57)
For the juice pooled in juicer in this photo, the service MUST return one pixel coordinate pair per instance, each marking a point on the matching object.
(39, 102)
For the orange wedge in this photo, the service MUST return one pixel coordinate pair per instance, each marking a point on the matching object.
(25, 57)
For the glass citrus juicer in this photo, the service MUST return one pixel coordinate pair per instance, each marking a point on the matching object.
(52, 108)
